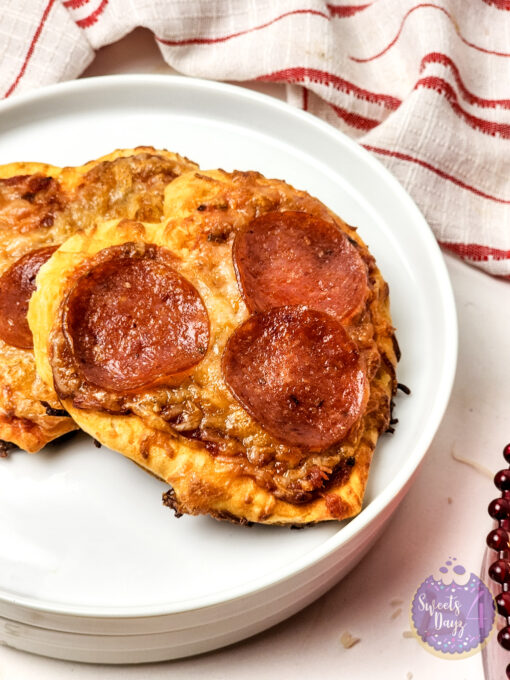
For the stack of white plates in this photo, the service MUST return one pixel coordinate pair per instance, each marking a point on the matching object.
(92, 566)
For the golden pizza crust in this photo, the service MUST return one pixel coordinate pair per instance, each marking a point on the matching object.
(78, 197)
(206, 210)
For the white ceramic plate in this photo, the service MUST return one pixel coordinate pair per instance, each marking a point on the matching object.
(85, 543)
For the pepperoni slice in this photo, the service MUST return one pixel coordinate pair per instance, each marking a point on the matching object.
(293, 258)
(133, 321)
(296, 371)
(16, 287)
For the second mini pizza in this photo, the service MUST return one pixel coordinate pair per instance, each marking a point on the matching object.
(242, 351)
(40, 207)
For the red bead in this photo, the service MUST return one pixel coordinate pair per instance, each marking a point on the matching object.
(505, 524)
(499, 571)
(503, 603)
(506, 453)
(506, 495)
(504, 637)
(498, 539)
(508, 671)
(502, 480)
(499, 508)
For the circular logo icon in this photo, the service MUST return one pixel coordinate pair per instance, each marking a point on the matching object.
(453, 612)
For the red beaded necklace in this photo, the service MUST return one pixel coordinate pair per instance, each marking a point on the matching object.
(498, 540)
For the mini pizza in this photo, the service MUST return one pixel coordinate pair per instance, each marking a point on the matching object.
(244, 353)
(40, 207)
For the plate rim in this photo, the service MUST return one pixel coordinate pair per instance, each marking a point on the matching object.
(400, 483)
